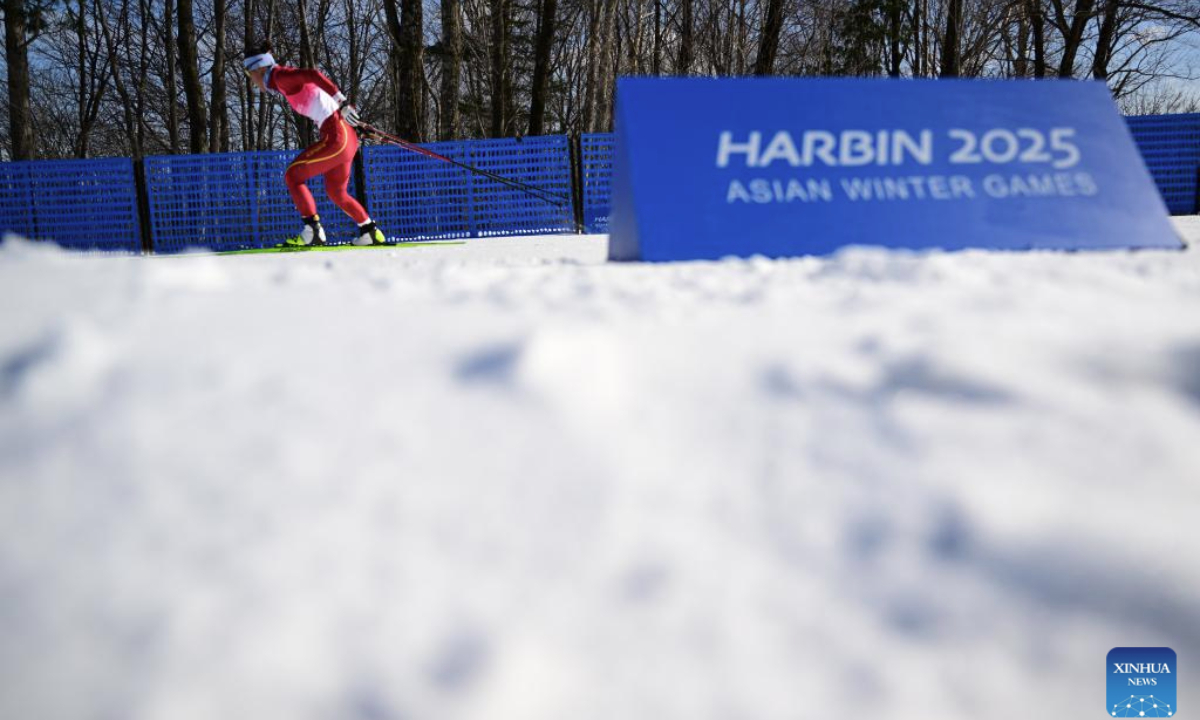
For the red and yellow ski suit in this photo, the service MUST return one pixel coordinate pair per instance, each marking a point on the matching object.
(313, 95)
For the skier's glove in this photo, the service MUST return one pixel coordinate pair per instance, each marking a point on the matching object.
(350, 114)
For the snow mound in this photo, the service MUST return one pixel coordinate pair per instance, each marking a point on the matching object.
(506, 480)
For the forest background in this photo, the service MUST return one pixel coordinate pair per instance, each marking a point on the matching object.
(98, 78)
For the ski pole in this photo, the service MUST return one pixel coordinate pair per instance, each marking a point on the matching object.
(538, 193)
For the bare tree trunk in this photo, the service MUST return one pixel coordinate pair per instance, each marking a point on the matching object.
(20, 114)
(304, 128)
(602, 118)
(918, 40)
(598, 83)
(131, 122)
(1037, 22)
(895, 25)
(656, 68)
(218, 140)
(249, 39)
(686, 53)
(392, 16)
(950, 50)
(1104, 43)
(93, 82)
(265, 130)
(1019, 48)
(769, 45)
(501, 80)
(307, 59)
(927, 32)
(354, 49)
(592, 64)
(743, 38)
(81, 143)
(322, 58)
(172, 75)
(192, 88)
(143, 69)
(408, 65)
(1074, 36)
(634, 29)
(541, 66)
(451, 68)
(410, 93)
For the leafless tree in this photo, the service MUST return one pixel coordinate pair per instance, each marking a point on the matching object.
(138, 77)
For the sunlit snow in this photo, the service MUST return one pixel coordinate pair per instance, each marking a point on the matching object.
(509, 481)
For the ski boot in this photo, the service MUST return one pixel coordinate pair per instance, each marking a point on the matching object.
(368, 234)
(312, 234)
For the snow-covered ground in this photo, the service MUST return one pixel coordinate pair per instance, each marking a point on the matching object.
(508, 481)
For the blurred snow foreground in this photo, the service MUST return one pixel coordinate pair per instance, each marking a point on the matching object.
(509, 481)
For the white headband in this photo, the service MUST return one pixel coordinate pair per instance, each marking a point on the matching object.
(255, 62)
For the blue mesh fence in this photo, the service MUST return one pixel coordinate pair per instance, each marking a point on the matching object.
(231, 201)
(79, 204)
(16, 199)
(542, 162)
(1170, 145)
(239, 200)
(597, 156)
(199, 201)
(412, 196)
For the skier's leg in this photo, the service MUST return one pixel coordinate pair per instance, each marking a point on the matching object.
(337, 183)
(295, 177)
(298, 173)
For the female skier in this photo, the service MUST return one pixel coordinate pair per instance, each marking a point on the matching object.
(312, 95)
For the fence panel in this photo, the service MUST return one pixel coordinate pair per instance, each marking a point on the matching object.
(78, 204)
(412, 196)
(1170, 145)
(87, 204)
(230, 201)
(16, 199)
(597, 150)
(542, 162)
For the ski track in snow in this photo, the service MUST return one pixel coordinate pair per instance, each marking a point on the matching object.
(509, 481)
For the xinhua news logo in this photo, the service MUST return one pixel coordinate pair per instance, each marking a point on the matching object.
(1141, 682)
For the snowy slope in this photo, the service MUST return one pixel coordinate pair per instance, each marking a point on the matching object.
(508, 481)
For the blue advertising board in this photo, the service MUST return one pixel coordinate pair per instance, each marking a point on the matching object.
(708, 168)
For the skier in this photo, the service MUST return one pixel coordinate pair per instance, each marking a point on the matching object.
(313, 95)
